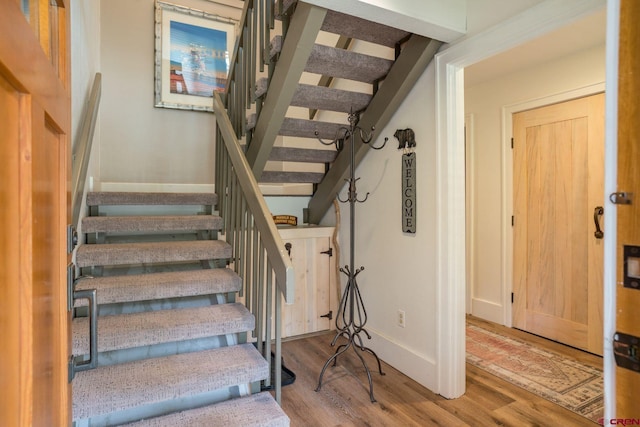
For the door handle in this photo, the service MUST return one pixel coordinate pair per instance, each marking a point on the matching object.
(597, 212)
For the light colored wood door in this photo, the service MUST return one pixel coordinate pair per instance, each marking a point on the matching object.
(315, 284)
(558, 183)
(628, 299)
(34, 172)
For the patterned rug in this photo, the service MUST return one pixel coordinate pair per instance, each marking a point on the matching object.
(563, 381)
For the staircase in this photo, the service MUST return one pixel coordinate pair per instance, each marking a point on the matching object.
(172, 344)
(307, 82)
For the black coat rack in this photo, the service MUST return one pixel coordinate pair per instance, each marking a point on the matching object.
(352, 315)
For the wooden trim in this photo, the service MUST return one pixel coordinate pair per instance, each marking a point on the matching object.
(450, 283)
(628, 229)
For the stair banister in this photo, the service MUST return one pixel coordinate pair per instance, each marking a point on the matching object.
(82, 149)
(259, 252)
(248, 54)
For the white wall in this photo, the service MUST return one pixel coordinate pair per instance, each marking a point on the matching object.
(484, 102)
(85, 63)
(399, 268)
(142, 144)
(85, 55)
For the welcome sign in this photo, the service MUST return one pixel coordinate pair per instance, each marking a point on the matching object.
(409, 193)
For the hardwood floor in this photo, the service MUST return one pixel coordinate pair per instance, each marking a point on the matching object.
(344, 397)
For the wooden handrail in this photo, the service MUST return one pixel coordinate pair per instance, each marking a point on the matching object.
(82, 149)
(259, 254)
(273, 243)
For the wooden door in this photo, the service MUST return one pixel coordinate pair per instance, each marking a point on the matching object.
(315, 285)
(34, 171)
(558, 183)
(628, 234)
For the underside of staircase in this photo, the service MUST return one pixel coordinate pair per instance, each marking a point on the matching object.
(311, 87)
(172, 345)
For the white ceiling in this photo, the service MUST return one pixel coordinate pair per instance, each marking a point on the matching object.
(584, 34)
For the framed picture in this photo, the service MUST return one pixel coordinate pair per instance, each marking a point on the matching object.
(193, 50)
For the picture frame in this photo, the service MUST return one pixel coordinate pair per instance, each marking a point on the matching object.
(193, 50)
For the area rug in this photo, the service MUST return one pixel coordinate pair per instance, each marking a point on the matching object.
(561, 380)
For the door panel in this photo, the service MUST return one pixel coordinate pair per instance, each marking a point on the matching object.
(10, 296)
(34, 156)
(558, 181)
(48, 251)
(628, 300)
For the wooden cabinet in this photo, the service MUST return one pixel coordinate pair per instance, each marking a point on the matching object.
(316, 291)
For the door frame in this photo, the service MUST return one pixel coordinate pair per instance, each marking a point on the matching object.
(507, 182)
(450, 174)
(610, 209)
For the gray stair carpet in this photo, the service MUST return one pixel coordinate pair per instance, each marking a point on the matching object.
(304, 128)
(322, 98)
(163, 326)
(146, 198)
(148, 382)
(334, 62)
(155, 252)
(356, 28)
(303, 155)
(153, 286)
(256, 410)
(269, 177)
(98, 224)
(362, 29)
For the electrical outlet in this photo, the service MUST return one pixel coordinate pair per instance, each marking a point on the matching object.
(401, 318)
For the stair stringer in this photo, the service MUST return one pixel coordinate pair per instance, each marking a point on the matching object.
(407, 69)
(297, 47)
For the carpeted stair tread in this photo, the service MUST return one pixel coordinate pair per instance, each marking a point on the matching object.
(98, 224)
(164, 379)
(323, 98)
(269, 177)
(152, 286)
(362, 29)
(303, 155)
(155, 327)
(103, 198)
(256, 410)
(354, 27)
(341, 63)
(154, 252)
(304, 128)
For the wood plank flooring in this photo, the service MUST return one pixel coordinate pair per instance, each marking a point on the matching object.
(344, 397)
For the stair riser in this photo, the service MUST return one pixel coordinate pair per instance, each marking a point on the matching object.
(169, 349)
(163, 199)
(160, 304)
(152, 236)
(149, 224)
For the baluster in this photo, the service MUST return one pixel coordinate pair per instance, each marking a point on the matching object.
(268, 314)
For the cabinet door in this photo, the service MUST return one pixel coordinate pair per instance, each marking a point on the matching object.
(315, 293)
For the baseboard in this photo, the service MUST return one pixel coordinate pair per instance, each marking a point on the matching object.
(487, 310)
(416, 366)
